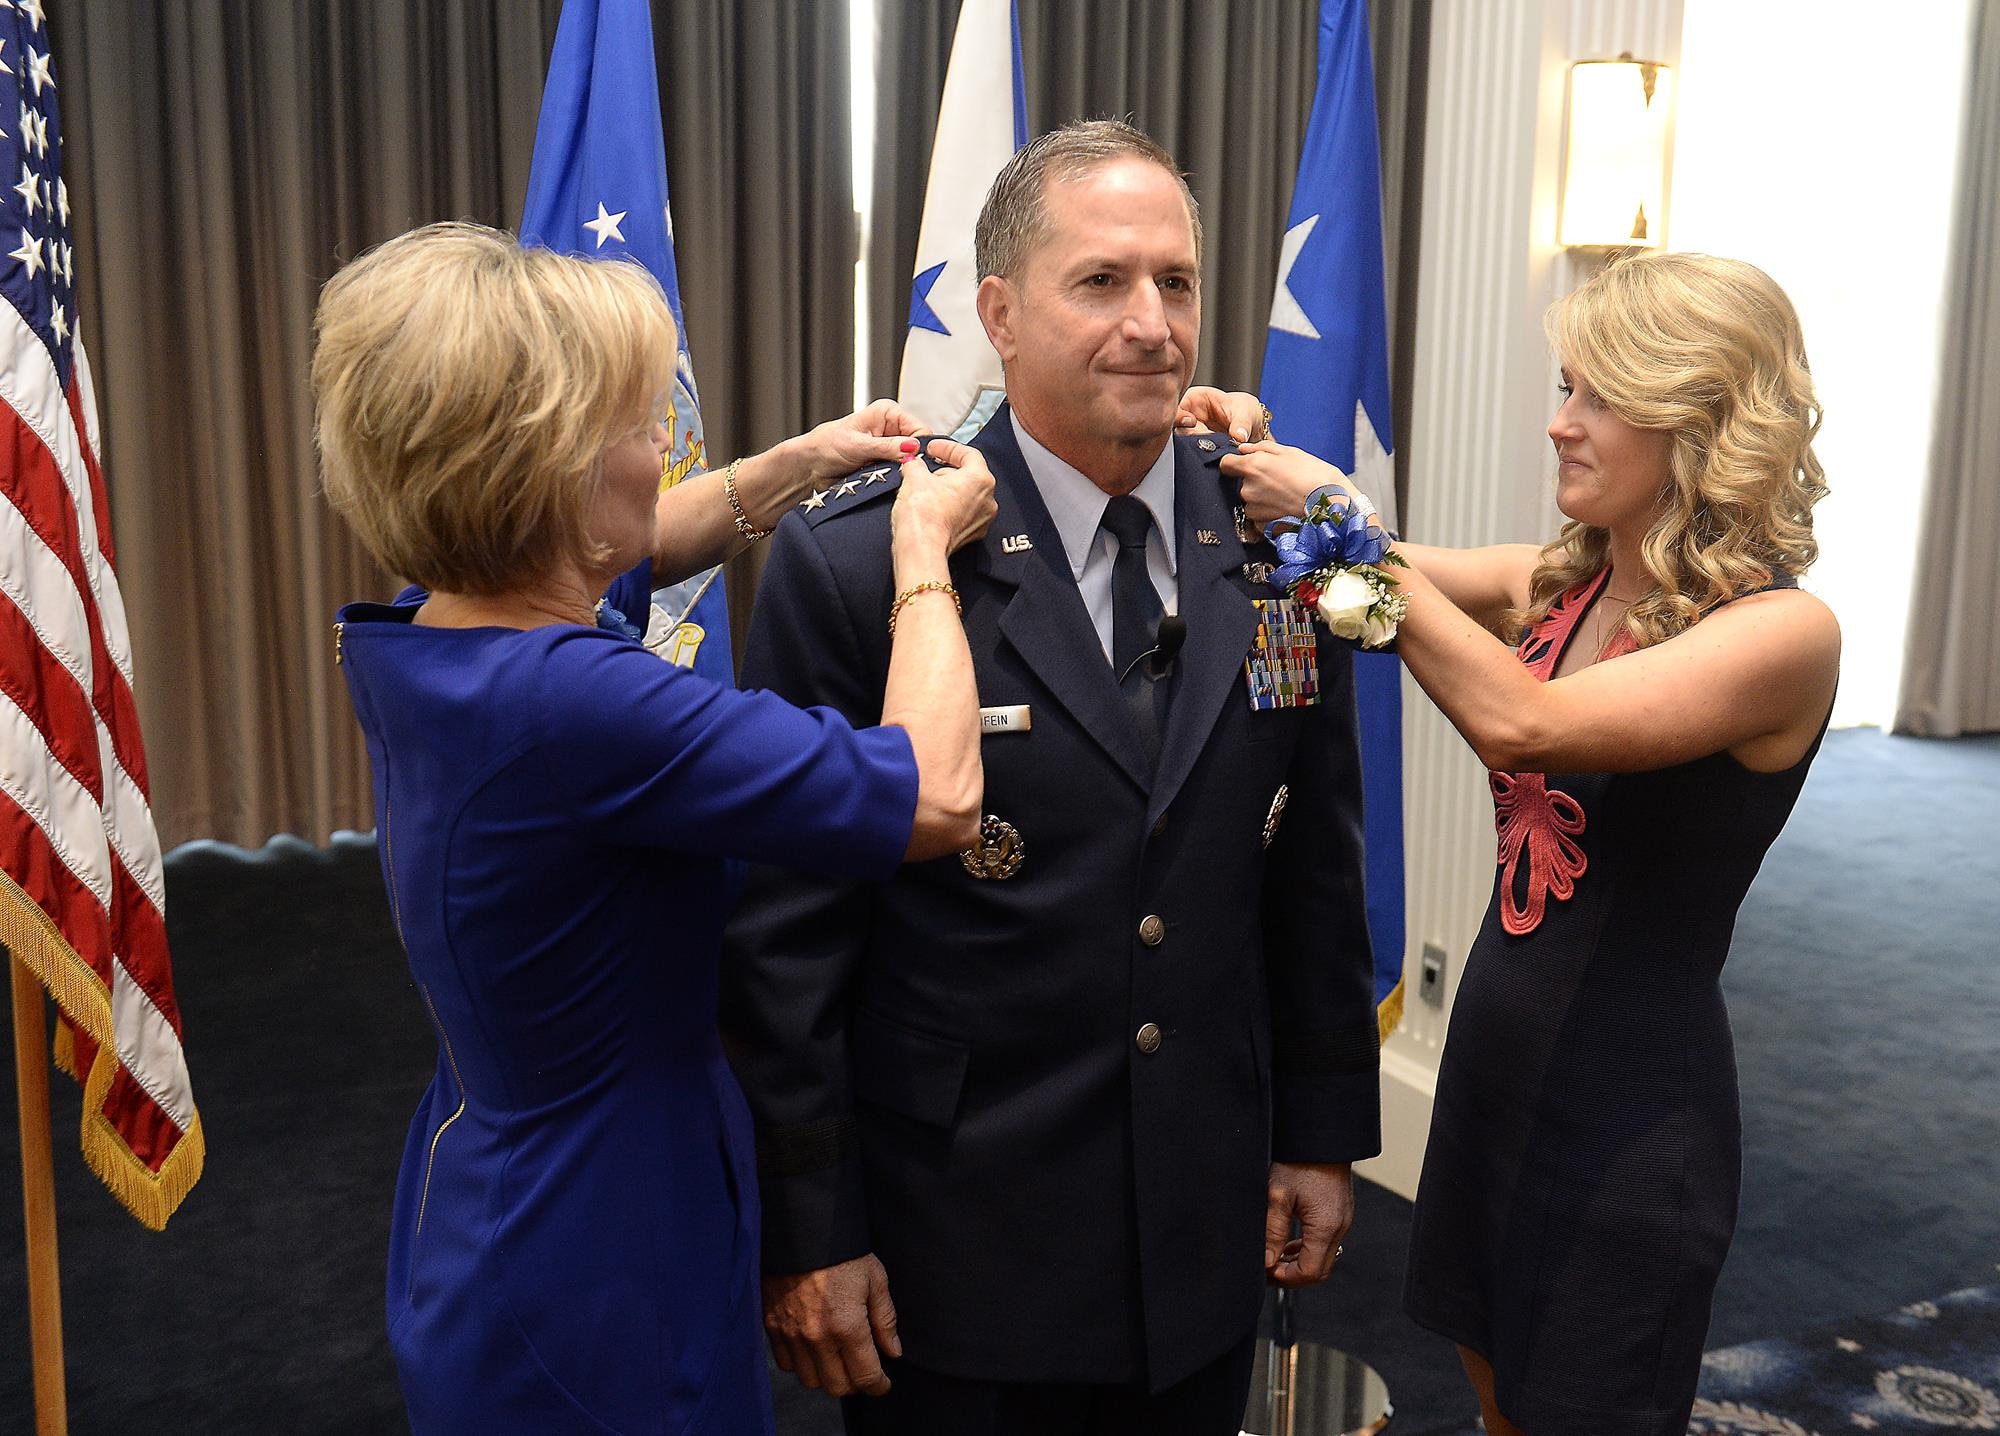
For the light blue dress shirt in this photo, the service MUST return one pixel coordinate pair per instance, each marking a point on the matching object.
(1077, 506)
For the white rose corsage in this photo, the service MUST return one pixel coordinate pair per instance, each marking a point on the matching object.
(1331, 560)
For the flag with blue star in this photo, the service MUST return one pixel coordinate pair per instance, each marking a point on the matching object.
(951, 376)
(1326, 382)
(597, 188)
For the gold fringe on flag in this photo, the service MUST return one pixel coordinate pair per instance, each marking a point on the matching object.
(85, 1001)
(1389, 1015)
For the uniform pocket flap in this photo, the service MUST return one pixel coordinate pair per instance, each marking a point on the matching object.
(907, 1071)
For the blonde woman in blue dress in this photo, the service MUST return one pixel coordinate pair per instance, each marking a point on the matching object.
(562, 816)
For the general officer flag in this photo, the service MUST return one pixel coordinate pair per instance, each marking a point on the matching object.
(1326, 381)
(597, 187)
(951, 376)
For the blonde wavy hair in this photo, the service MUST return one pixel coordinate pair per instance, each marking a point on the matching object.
(1710, 351)
(465, 391)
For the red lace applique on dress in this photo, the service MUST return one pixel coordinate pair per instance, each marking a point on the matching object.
(1539, 825)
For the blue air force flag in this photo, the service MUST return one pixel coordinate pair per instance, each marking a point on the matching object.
(1326, 380)
(951, 376)
(598, 188)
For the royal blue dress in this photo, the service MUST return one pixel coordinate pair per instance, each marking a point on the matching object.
(575, 1237)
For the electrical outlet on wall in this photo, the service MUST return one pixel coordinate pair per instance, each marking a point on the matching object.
(1430, 985)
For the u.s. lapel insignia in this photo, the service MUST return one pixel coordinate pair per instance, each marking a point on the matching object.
(817, 501)
(1016, 543)
(1282, 667)
(997, 852)
(1278, 802)
(1206, 537)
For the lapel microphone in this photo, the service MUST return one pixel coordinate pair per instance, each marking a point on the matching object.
(1166, 648)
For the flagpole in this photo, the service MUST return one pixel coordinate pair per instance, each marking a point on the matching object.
(38, 1200)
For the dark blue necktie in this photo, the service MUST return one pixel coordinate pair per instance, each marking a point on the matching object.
(1135, 619)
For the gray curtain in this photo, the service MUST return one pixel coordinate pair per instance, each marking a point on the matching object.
(1225, 86)
(1951, 664)
(224, 158)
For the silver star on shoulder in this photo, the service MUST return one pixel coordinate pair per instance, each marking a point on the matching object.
(817, 501)
(847, 488)
(605, 226)
(876, 476)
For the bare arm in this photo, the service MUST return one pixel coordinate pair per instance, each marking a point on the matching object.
(693, 525)
(1481, 582)
(930, 691)
(1754, 678)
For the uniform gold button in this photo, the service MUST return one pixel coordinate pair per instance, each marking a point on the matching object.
(1160, 825)
(1152, 931)
(1149, 1038)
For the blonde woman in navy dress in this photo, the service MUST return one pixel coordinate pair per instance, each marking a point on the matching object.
(575, 1233)
(1658, 689)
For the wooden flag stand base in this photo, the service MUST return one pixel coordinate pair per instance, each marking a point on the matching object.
(38, 1200)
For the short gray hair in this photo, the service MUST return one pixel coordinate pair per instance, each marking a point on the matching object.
(1015, 217)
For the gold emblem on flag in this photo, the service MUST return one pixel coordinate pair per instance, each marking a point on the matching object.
(673, 470)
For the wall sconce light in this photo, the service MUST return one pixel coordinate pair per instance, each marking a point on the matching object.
(1614, 174)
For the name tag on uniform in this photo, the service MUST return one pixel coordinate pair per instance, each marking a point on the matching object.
(1282, 667)
(1004, 720)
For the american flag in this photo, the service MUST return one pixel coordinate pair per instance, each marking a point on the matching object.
(82, 900)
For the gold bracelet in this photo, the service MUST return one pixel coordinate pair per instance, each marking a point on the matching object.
(743, 525)
(934, 586)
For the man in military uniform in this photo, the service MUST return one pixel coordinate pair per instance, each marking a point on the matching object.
(1035, 1126)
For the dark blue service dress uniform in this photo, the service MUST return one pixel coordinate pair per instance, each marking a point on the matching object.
(1048, 1099)
(574, 1242)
